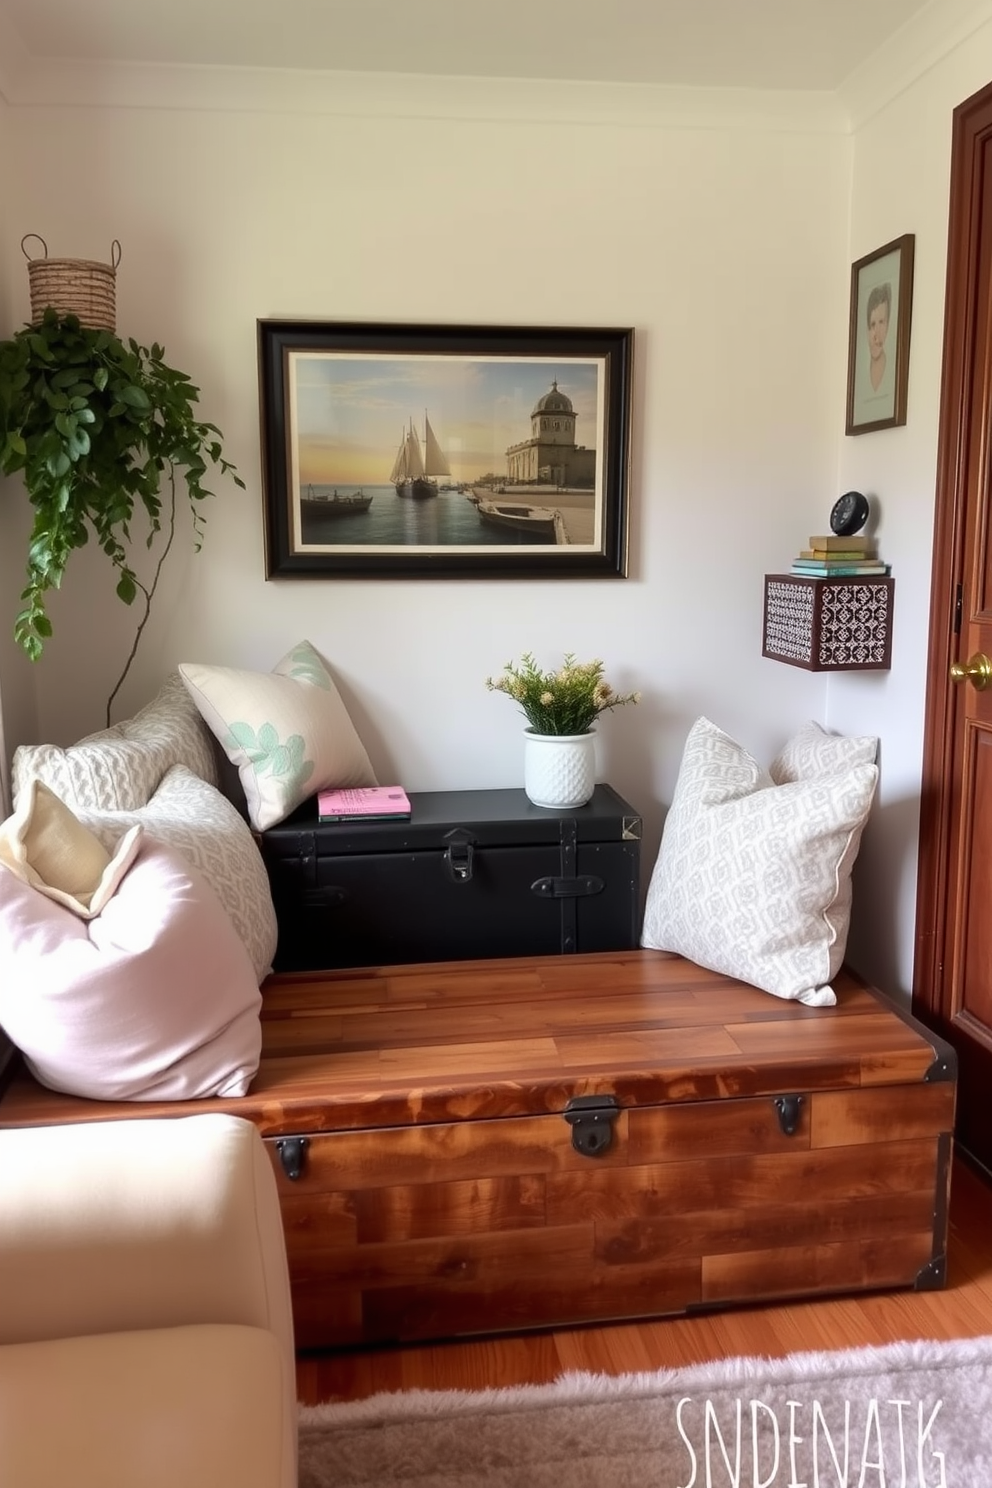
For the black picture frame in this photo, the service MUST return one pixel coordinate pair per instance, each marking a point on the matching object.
(881, 290)
(343, 411)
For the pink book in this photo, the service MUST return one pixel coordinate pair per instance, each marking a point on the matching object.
(364, 803)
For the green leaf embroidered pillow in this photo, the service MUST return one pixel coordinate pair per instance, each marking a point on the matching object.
(287, 731)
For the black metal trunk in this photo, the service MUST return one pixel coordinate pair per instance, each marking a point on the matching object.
(472, 873)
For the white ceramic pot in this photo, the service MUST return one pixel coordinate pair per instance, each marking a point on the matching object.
(559, 769)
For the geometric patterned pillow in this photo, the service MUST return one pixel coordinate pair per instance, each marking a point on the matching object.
(119, 768)
(753, 878)
(814, 752)
(194, 818)
(287, 731)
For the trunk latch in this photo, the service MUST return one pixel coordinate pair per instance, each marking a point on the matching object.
(591, 1118)
(459, 853)
(292, 1155)
(787, 1107)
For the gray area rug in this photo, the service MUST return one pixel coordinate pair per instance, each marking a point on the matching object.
(910, 1415)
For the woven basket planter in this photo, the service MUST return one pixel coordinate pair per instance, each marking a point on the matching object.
(74, 286)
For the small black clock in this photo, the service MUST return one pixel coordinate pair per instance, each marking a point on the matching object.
(850, 513)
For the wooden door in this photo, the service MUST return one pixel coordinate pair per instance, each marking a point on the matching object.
(953, 973)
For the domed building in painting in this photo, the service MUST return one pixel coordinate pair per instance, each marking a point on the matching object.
(551, 457)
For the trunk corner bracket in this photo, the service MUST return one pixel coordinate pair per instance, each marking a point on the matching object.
(933, 1276)
(943, 1069)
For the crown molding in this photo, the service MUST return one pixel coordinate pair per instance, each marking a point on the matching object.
(57, 83)
(929, 36)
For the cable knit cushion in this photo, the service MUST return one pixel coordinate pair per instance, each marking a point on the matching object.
(154, 998)
(753, 877)
(287, 731)
(48, 848)
(188, 814)
(119, 768)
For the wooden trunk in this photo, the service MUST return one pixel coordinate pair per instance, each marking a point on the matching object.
(484, 1146)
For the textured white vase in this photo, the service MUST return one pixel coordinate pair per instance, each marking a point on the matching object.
(559, 769)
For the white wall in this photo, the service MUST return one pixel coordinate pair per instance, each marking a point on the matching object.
(723, 246)
(901, 183)
(721, 227)
(5, 546)
(18, 715)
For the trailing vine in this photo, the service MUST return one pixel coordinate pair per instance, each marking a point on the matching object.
(94, 424)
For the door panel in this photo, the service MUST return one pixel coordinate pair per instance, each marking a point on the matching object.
(953, 975)
(972, 983)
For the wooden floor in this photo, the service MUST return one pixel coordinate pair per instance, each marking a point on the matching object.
(962, 1310)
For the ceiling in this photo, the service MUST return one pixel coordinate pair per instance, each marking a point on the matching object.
(767, 44)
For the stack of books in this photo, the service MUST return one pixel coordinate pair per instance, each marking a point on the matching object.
(364, 803)
(838, 557)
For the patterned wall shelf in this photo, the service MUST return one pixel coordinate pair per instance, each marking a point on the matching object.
(828, 625)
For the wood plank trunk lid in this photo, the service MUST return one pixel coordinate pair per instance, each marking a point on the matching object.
(734, 1147)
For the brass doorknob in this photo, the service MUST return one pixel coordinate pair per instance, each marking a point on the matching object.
(977, 670)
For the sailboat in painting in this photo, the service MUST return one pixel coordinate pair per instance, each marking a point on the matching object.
(417, 466)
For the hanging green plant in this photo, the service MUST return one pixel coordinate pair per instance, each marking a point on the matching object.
(94, 424)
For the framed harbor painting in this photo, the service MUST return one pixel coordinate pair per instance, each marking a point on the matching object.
(496, 451)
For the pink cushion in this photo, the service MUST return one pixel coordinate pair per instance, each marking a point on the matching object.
(155, 998)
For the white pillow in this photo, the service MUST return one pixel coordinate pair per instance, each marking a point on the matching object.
(152, 999)
(814, 752)
(287, 731)
(753, 878)
(188, 814)
(50, 849)
(119, 768)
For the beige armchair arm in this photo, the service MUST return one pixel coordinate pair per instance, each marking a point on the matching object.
(145, 1322)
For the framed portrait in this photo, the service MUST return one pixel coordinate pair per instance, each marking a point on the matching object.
(444, 450)
(878, 337)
